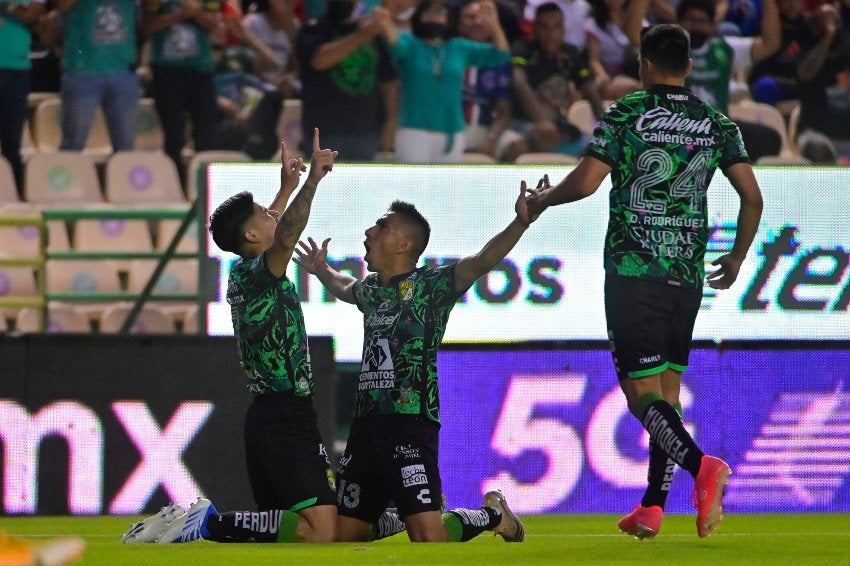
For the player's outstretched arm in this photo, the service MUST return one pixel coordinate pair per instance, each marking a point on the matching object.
(294, 219)
(744, 181)
(580, 183)
(315, 260)
(472, 267)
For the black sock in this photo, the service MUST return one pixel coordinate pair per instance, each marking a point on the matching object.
(665, 428)
(465, 524)
(659, 477)
(245, 526)
(660, 474)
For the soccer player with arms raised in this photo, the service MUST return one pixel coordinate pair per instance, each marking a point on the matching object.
(661, 147)
(288, 467)
(392, 446)
(291, 478)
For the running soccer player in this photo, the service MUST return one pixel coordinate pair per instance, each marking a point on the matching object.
(392, 446)
(661, 147)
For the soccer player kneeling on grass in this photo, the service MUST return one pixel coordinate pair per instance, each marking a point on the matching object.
(391, 453)
(291, 478)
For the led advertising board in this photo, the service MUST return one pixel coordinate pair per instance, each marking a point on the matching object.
(795, 283)
(140, 421)
(551, 429)
(126, 424)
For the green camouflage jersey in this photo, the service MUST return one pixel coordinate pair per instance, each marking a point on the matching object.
(269, 328)
(663, 146)
(403, 324)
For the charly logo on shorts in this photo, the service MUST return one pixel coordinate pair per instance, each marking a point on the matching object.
(413, 475)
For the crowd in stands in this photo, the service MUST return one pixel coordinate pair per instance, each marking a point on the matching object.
(415, 80)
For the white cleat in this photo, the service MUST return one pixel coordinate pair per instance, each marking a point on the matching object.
(191, 525)
(152, 528)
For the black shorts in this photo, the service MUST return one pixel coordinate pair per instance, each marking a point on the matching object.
(288, 464)
(390, 458)
(650, 324)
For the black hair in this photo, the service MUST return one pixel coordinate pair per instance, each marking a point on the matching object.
(546, 8)
(600, 13)
(425, 5)
(668, 46)
(420, 227)
(227, 223)
(706, 6)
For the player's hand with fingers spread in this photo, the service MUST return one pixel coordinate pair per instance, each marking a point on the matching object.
(726, 273)
(310, 256)
(322, 160)
(533, 203)
(544, 183)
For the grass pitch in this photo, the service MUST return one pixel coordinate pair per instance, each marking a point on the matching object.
(817, 539)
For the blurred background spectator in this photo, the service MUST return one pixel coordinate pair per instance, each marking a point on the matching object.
(548, 75)
(486, 90)
(824, 74)
(16, 17)
(775, 79)
(718, 60)
(250, 107)
(349, 82)
(45, 52)
(844, 11)
(233, 98)
(181, 60)
(739, 17)
(432, 67)
(611, 53)
(510, 17)
(273, 22)
(98, 70)
(662, 11)
(575, 14)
